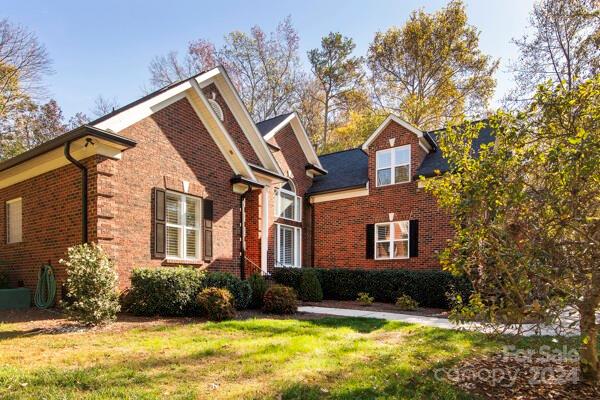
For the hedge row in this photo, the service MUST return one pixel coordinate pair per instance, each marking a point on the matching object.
(428, 288)
(172, 291)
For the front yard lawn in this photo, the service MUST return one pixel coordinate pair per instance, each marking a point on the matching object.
(340, 358)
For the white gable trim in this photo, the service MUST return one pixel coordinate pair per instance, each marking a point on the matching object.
(301, 136)
(215, 127)
(393, 118)
(242, 116)
(191, 90)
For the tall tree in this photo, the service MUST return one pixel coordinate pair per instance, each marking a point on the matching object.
(338, 74)
(526, 211)
(562, 45)
(103, 106)
(33, 125)
(431, 70)
(23, 63)
(265, 68)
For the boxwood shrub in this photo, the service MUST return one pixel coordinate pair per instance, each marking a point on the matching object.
(169, 291)
(241, 290)
(428, 288)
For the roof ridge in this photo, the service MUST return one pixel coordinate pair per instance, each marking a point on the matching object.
(340, 151)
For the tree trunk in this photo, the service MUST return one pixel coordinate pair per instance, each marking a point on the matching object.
(588, 352)
(326, 121)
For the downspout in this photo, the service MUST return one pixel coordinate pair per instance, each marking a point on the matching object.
(243, 233)
(84, 192)
(312, 234)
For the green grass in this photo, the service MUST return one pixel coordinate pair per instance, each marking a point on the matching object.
(338, 358)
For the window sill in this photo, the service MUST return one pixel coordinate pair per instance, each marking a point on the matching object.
(392, 184)
(177, 261)
(391, 259)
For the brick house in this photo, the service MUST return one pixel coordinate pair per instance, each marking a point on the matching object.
(184, 176)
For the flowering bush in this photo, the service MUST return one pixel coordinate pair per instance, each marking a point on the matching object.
(92, 298)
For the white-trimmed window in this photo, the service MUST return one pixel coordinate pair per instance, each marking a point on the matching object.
(392, 240)
(14, 221)
(289, 206)
(182, 226)
(288, 246)
(393, 165)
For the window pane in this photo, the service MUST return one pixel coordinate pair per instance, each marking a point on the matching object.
(173, 208)
(383, 232)
(286, 246)
(401, 230)
(401, 249)
(191, 210)
(173, 242)
(191, 250)
(383, 250)
(401, 174)
(401, 156)
(287, 205)
(384, 177)
(384, 159)
(14, 221)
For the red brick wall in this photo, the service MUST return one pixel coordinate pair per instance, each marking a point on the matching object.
(233, 127)
(51, 221)
(340, 229)
(290, 158)
(172, 146)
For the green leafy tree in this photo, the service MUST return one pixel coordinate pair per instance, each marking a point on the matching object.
(338, 74)
(526, 211)
(431, 70)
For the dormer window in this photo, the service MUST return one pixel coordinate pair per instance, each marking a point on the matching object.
(393, 166)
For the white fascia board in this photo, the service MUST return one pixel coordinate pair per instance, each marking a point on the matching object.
(140, 111)
(393, 118)
(219, 133)
(301, 136)
(241, 114)
(339, 195)
(128, 117)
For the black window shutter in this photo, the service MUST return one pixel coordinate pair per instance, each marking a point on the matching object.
(370, 250)
(207, 213)
(159, 223)
(413, 234)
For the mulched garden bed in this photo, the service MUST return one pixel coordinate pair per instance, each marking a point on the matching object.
(384, 307)
(501, 376)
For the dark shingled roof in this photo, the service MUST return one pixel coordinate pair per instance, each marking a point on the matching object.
(348, 169)
(436, 161)
(345, 170)
(267, 125)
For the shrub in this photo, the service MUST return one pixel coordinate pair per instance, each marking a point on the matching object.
(4, 281)
(91, 285)
(169, 291)
(216, 304)
(310, 287)
(428, 288)
(364, 299)
(406, 303)
(241, 290)
(259, 286)
(280, 300)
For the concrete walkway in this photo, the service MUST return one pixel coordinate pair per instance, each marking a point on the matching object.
(430, 321)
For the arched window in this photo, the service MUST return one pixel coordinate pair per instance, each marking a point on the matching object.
(289, 205)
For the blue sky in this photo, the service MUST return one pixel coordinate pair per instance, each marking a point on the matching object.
(104, 47)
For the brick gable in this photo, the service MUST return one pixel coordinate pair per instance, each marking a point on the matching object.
(173, 146)
(340, 225)
(233, 127)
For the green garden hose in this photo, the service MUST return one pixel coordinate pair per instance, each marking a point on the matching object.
(46, 287)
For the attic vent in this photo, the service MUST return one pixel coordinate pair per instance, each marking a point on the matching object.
(216, 108)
